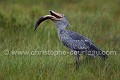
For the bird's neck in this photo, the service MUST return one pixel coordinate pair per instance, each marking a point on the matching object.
(61, 27)
(61, 30)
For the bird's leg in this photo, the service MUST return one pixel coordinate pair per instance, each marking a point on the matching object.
(77, 60)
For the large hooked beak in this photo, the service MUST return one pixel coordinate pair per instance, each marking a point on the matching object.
(54, 17)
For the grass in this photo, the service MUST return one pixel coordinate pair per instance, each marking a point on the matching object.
(98, 20)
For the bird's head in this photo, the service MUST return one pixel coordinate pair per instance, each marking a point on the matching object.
(59, 20)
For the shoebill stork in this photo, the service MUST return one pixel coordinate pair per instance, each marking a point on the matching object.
(72, 40)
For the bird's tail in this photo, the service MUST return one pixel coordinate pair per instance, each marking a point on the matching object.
(102, 54)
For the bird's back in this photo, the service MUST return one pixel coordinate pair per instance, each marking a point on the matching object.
(78, 42)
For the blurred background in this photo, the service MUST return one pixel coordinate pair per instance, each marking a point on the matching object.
(98, 20)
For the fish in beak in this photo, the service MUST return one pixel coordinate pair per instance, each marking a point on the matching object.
(54, 16)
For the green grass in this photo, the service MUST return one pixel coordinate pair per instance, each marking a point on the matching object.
(98, 20)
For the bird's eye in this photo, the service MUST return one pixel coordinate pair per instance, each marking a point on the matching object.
(65, 16)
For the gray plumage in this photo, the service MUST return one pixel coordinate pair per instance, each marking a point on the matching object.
(72, 40)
